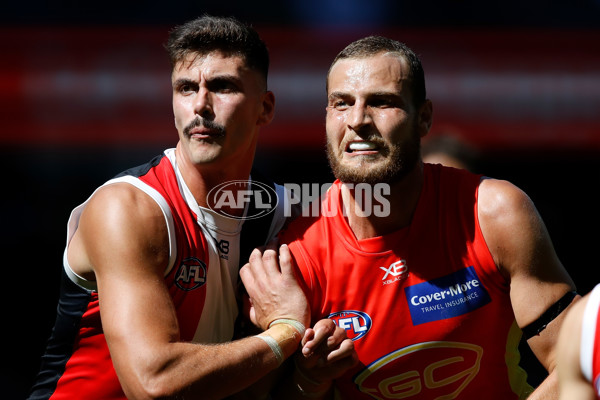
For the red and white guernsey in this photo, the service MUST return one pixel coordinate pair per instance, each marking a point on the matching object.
(202, 278)
(427, 308)
(590, 340)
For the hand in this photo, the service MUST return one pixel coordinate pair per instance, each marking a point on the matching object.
(327, 353)
(273, 289)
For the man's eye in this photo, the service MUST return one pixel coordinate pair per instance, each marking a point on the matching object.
(384, 103)
(340, 105)
(380, 103)
(226, 87)
(222, 86)
(186, 89)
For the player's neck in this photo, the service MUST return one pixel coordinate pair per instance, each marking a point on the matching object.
(202, 179)
(372, 217)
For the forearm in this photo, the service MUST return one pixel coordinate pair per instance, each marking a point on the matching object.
(188, 370)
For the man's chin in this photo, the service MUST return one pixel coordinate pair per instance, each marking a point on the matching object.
(357, 176)
(387, 173)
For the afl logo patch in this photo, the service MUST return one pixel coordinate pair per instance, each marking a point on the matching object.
(191, 274)
(232, 196)
(356, 323)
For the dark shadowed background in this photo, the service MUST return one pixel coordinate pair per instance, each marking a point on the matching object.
(85, 93)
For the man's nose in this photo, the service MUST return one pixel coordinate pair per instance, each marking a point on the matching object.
(204, 106)
(359, 115)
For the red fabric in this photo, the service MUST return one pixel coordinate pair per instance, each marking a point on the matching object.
(418, 335)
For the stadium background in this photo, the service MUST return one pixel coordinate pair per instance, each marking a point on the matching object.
(85, 93)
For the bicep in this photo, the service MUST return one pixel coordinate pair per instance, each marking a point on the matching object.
(523, 251)
(126, 242)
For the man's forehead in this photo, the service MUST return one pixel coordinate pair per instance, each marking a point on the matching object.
(208, 60)
(383, 68)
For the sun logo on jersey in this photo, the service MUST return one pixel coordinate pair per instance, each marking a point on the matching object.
(191, 274)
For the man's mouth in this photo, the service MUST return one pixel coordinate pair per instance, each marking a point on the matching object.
(361, 146)
(204, 129)
(205, 133)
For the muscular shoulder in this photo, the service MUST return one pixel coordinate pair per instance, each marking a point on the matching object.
(509, 221)
(121, 221)
(122, 200)
(499, 199)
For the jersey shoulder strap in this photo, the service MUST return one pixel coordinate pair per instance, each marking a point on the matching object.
(255, 231)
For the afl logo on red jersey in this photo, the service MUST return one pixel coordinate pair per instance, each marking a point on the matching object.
(191, 274)
(356, 323)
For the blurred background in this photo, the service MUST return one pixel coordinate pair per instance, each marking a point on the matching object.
(85, 93)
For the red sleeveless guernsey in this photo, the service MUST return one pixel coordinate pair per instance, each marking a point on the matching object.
(429, 313)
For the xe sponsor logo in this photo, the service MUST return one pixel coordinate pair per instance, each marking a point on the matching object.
(356, 323)
(231, 198)
(191, 274)
(397, 271)
(429, 370)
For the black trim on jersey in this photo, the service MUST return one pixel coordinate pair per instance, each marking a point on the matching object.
(142, 169)
(255, 231)
(72, 304)
(254, 234)
(537, 326)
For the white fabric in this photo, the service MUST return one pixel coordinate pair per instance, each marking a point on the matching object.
(588, 333)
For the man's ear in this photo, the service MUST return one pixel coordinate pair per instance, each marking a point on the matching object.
(425, 115)
(268, 109)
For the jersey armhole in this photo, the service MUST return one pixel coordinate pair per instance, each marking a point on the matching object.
(74, 222)
(166, 210)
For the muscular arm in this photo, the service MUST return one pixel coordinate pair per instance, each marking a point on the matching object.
(572, 383)
(524, 254)
(122, 237)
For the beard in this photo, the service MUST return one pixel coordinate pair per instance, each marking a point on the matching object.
(398, 161)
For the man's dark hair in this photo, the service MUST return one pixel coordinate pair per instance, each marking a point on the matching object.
(226, 34)
(373, 45)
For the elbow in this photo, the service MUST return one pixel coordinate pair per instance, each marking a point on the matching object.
(150, 387)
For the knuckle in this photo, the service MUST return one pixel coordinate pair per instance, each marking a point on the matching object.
(269, 255)
(255, 255)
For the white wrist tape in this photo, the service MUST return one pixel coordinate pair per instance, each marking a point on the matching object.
(297, 325)
(274, 346)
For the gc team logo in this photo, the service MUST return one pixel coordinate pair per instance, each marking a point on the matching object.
(191, 274)
(231, 198)
(356, 323)
(429, 370)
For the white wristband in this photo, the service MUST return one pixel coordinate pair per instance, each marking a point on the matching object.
(274, 346)
(298, 325)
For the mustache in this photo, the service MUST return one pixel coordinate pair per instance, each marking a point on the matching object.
(212, 125)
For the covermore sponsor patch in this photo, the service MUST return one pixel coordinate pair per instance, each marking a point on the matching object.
(446, 297)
